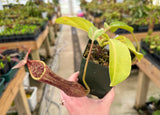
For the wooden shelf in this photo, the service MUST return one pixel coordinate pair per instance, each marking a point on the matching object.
(150, 70)
(140, 35)
(147, 72)
(14, 87)
(33, 44)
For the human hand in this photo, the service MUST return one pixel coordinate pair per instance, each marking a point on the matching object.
(85, 105)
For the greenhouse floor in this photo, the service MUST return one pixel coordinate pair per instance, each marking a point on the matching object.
(62, 63)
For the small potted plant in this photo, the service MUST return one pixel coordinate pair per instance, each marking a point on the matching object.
(116, 63)
(8, 59)
(11, 56)
(106, 61)
(31, 93)
(152, 107)
(4, 68)
(151, 46)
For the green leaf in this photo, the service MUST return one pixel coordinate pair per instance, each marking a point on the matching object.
(98, 33)
(156, 112)
(106, 25)
(91, 31)
(77, 22)
(119, 62)
(115, 25)
(95, 33)
(131, 47)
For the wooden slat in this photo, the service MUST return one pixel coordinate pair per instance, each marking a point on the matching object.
(11, 91)
(141, 95)
(150, 70)
(140, 35)
(19, 44)
(21, 102)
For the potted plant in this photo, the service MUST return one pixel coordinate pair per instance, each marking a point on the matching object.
(11, 56)
(151, 46)
(152, 107)
(31, 93)
(4, 68)
(117, 66)
(115, 54)
(8, 59)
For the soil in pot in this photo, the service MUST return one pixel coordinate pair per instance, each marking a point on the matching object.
(98, 55)
(5, 69)
(29, 92)
(97, 75)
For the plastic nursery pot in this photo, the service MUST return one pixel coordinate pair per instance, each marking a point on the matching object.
(11, 73)
(154, 56)
(5, 69)
(31, 94)
(1, 85)
(8, 76)
(143, 28)
(156, 27)
(10, 51)
(97, 78)
(149, 108)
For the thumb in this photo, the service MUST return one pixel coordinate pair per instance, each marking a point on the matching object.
(109, 97)
(74, 76)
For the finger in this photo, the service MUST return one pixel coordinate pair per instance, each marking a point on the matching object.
(109, 96)
(74, 76)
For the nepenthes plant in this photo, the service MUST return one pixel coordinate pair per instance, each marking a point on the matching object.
(120, 49)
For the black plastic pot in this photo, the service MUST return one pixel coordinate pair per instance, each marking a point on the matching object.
(97, 78)
(97, 14)
(10, 51)
(11, 64)
(50, 17)
(135, 28)
(149, 108)
(21, 37)
(144, 46)
(44, 25)
(5, 69)
(156, 27)
(121, 31)
(143, 28)
(154, 57)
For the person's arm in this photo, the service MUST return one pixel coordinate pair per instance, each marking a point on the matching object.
(85, 105)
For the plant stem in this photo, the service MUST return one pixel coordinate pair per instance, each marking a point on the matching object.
(85, 69)
(138, 47)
